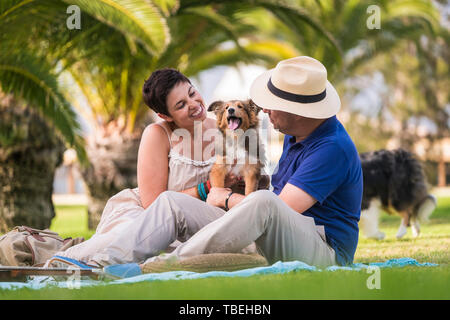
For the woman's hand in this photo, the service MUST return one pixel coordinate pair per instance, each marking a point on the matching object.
(217, 196)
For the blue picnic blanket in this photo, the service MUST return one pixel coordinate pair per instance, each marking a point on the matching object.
(277, 268)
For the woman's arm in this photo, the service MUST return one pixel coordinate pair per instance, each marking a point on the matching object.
(192, 192)
(153, 164)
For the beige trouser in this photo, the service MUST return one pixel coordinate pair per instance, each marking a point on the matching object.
(280, 233)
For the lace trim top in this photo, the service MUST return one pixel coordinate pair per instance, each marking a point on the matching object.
(184, 172)
(176, 156)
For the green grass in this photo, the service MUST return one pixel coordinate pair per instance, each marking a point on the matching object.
(433, 244)
(403, 283)
(71, 221)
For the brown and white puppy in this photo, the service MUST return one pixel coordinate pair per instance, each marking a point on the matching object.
(240, 150)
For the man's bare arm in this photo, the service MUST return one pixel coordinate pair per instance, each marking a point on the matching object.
(296, 198)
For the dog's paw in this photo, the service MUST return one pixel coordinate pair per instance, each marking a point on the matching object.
(401, 232)
(378, 236)
(415, 230)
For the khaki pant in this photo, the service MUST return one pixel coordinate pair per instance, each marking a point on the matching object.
(279, 232)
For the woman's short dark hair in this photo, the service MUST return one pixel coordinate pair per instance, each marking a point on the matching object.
(158, 86)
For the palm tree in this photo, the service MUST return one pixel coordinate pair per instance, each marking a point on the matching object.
(409, 52)
(354, 43)
(30, 152)
(33, 42)
(32, 125)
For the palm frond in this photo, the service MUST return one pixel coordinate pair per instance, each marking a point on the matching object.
(415, 8)
(266, 53)
(215, 19)
(287, 12)
(8, 7)
(395, 30)
(291, 14)
(168, 7)
(138, 19)
(29, 78)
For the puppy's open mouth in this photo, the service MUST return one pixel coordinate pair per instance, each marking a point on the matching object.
(234, 122)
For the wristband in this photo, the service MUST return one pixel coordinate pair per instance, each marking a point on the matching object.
(201, 192)
(205, 194)
(226, 201)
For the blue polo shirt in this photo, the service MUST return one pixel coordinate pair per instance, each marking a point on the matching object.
(326, 165)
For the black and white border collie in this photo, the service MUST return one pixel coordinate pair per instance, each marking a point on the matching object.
(394, 181)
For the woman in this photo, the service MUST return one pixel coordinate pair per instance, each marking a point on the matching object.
(166, 161)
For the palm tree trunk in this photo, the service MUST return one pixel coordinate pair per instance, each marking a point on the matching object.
(29, 155)
(113, 159)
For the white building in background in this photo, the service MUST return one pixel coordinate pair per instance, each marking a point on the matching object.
(220, 83)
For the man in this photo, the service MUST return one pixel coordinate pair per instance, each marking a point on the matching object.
(313, 211)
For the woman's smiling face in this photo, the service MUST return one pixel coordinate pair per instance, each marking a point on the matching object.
(185, 105)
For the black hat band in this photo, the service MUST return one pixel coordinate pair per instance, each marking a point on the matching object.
(296, 97)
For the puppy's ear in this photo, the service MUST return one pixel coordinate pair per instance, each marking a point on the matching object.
(254, 106)
(215, 106)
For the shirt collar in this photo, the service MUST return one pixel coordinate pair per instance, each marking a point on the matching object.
(325, 127)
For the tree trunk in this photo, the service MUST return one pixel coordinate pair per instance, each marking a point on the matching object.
(113, 160)
(29, 155)
(442, 174)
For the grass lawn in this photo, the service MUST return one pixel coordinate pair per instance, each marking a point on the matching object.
(405, 283)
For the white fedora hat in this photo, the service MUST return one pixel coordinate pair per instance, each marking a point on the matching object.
(298, 85)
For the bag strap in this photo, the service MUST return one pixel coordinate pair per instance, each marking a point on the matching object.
(32, 230)
(39, 234)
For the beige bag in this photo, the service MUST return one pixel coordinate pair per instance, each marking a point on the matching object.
(25, 246)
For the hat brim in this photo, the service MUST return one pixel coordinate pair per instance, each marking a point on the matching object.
(264, 98)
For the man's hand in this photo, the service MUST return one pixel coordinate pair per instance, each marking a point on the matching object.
(217, 196)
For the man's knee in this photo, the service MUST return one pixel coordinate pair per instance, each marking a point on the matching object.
(169, 199)
(262, 203)
(263, 197)
(167, 194)
(176, 201)
(171, 196)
